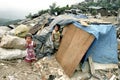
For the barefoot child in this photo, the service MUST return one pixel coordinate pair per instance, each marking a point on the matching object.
(56, 37)
(30, 57)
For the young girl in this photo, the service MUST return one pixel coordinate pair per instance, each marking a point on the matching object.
(56, 36)
(30, 57)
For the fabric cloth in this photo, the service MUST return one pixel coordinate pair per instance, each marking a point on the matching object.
(30, 53)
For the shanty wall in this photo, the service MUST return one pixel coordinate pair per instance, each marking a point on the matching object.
(74, 44)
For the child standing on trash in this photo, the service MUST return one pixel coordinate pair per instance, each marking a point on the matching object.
(30, 57)
(56, 37)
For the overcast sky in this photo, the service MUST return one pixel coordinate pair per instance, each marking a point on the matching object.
(19, 8)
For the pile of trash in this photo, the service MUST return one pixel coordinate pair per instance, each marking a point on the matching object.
(12, 37)
(11, 46)
(48, 66)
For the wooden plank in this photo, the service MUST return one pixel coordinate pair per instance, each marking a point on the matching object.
(73, 47)
(66, 40)
(37, 27)
(118, 44)
(64, 30)
(92, 69)
(98, 66)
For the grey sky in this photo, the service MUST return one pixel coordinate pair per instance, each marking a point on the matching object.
(19, 8)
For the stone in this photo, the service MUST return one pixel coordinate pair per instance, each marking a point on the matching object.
(12, 78)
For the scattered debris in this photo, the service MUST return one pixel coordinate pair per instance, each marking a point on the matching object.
(92, 69)
(3, 31)
(112, 78)
(72, 50)
(41, 23)
(98, 66)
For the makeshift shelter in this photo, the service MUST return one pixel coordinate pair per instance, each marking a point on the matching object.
(102, 50)
(79, 42)
(73, 47)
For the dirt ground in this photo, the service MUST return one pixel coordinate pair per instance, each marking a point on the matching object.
(48, 69)
(17, 70)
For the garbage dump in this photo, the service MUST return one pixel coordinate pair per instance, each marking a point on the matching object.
(87, 50)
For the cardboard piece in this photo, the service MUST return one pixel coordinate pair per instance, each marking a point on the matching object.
(73, 47)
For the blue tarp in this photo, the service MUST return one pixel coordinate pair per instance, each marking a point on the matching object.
(104, 47)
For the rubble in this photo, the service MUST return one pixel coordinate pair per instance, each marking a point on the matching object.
(99, 66)
(11, 26)
(3, 31)
(46, 68)
(118, 17)
(11, 32)
(41, 23)
(37, 23)
(49, 67)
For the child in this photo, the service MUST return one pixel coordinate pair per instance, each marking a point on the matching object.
(56, 36)
(30, 57)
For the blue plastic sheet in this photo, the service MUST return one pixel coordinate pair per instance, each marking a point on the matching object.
(104, 47)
